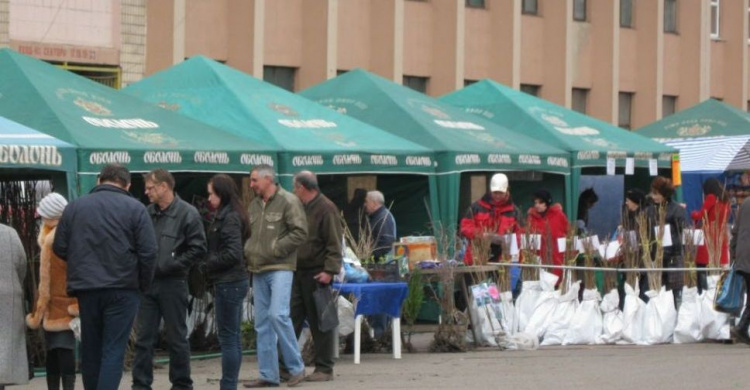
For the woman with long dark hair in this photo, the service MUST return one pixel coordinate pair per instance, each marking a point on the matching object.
(713, 218)
(661, 194)
(225, 267)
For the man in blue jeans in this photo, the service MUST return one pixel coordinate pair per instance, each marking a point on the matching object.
(278, 226)
(107, 239)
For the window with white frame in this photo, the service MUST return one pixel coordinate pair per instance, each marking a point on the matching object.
(715, 18)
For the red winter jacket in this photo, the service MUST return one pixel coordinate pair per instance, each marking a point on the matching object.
(716, 214)
(553, 224)
(486, 216)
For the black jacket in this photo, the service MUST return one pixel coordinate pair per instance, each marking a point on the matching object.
(108, 241)
(225, 261)
(180, 238)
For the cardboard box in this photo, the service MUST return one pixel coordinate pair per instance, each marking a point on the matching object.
(416, 251)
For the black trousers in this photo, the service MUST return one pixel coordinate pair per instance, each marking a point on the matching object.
(167, 299)
(301, 308)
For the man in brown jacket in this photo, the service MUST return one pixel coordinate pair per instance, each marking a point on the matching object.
(318, 260)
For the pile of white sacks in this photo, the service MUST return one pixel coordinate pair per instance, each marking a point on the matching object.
(544, 314)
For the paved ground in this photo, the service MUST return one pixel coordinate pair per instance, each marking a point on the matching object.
(695, 366)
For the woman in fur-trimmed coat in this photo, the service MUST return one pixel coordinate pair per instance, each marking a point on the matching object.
(54, 308)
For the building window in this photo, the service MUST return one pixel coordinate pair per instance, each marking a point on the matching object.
(625, 110)
(670, 16)
(339, 72)
(530, 89)
(416, 83)
(530, 7)
(579, 10)
(468, 82)
(715, 18)
(475, 3)
(110, 76)
(580, 100)
(626, 13)
(280, 76)
(668, 105)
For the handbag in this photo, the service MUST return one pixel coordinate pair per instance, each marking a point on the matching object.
(325, 305)
(730, 293)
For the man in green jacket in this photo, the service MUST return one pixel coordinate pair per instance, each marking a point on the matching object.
(318, 260)
(277, 227)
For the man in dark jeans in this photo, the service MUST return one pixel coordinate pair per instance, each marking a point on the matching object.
(108, 242)
(181, 241)
(318, 260)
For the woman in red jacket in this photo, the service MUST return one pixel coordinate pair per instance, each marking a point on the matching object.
(713, 216)
(548, 220)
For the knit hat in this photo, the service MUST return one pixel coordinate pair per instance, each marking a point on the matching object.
(499, 183)
(636, 196)
(52, 206)
(544, 196)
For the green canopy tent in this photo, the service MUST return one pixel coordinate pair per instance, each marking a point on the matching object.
(26, 152)
(589, 141)
(305, 134)
(462, 142)
(712, 137)
(108, 126)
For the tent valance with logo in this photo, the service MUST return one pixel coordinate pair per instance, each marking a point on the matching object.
(462, 142)
(108, 126)
(590, 142)
(305, 134)
(712, 138)
(23, 149)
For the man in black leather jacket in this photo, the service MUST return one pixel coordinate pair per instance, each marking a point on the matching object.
(181, 241)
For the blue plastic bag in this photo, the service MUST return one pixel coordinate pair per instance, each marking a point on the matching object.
(730, 293)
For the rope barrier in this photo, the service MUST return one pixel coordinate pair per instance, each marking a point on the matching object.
(607, 269)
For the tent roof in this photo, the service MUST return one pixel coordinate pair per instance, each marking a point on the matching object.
(306, 134)
(713, 154)
(23, 147)
(710, 118)
(109, 126)
(463, 141)
(590, 141)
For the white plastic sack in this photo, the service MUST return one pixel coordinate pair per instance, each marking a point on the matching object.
(612, 318)
(660, 317)
(714, 324)
(586, 325)
(484, 319)
(633, 309)
(507, 312)
(345, 310)
(525, 304)
(560, 320)
(520, 342)
(688, 329)
(545, 306)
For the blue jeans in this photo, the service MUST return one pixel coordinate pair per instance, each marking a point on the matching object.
(107, 317)
(272, 293)
(228, 299)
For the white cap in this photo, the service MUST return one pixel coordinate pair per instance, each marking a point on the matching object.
(52, 206)
(499, 182)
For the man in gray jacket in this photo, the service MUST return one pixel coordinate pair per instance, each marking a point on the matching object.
(181, 241)
(739, 254)
(278, 226)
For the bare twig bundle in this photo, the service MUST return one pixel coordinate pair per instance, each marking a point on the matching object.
(689, 250)
(714, 236)
(644, 237)
(589, 251)
(610, 277)
(629, 247)
(362, 244)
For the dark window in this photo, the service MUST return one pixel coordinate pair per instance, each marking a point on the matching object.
(668, 105)
(475, 3)
(339, 72)
(715, 18)
(468, 82)
(531, 89)
(670, 16)
(530, 7)
(626, 13)
(580, 99)
(579, 10)
(280, 76)
(625, 110)
(416, 83)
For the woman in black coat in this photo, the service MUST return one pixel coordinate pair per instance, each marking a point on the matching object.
(675, 216)
(225, 267)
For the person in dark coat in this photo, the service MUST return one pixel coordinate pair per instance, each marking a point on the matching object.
(108, 241)
(739, 254)
(225, 268)
(382, 225)
(181, 242)
(675, 215)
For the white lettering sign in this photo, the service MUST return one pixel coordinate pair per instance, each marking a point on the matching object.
(102, 158)
(162, 158)
(467, 159)
(211, 158)
(347, 159)
(381, 159)
(588, 155)
(30, 155)
(529, 159)
(458, 125)
(256, 159)
(417, 161)
(499, 159)
(307, 123)
(557, 162)
(299, 161)
(136, 123)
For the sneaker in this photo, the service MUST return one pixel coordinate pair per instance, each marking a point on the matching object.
(319, 376)
(295, 379)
